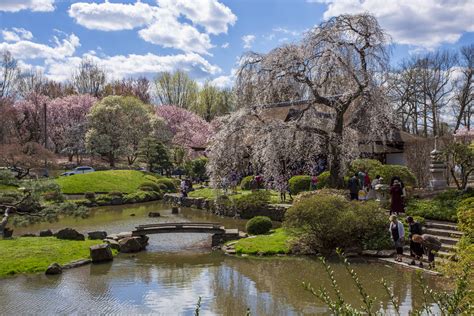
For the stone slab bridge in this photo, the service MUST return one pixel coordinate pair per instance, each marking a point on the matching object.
(219, 233)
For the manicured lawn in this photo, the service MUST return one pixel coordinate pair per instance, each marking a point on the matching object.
(35, 254)
(4, 187)
(125, 181)
(211, 194)
(271, 244)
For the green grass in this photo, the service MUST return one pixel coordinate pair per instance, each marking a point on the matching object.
(5, 187)
(125, 181)
(271, 244)
(35, 254)
(211, 194)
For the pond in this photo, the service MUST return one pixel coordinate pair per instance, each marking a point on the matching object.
(177, 269)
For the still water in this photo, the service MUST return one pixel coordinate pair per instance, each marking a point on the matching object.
(177, 269)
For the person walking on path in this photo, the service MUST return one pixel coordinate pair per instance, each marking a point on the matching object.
(354, 187)
(397, 232)
(416, 249)
(430, 245)
(397, 198)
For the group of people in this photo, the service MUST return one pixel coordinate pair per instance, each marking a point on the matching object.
(361, 187)
(185, 187)
(420, 244)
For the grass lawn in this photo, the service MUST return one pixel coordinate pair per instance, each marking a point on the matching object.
(211, 194)
(4, 187)
(125, 181)
(271, 244)
(35, 254)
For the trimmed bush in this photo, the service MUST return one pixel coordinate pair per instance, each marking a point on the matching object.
(254, 201)
(116, 194)
(7, 178)
(246, 183)
(151, 186)
(299, 184)
(465, 212)
(324, 222)
(366, 165)
(170, 184)
(259, 225)
(323, 180)
(389, 171)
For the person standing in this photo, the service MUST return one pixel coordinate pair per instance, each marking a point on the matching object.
(354, 187)
(4, 222)
(397, 232)
(397, 198)
(416, 249)
(314, 182)
(430, 245)
(184, 188)
(372, 193)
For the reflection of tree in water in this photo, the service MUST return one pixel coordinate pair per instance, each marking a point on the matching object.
(272, 287)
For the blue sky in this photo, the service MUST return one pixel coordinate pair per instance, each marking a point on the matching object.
(205, 37)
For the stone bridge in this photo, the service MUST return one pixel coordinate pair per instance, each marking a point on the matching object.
(219, 233)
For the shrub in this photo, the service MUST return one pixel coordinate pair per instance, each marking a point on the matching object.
(116, 194)
(323, 180)
(252, 201)
(246, 183)
(170, 184)
(299, 184)
(53, 196)
(324, 222)
(443, 207)
(89, 196)
(152, 186)
(389, 171)
(366, 165)
(7, 178)
(258, 225)
(196, 168)
(465, 213)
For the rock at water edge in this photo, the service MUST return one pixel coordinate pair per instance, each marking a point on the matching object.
(130, 244)
(97, 235)
(69, 234)
(101, 253)
(46, 233)
(54, 269)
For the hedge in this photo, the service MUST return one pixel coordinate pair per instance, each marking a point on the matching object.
(299, 184)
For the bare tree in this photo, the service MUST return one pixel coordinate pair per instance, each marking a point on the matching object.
(176, 89)
(464, 91)
(339, 65)
(8, 74)
(89, 78)
(138, 88)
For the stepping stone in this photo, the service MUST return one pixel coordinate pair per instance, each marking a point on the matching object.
(101, 253)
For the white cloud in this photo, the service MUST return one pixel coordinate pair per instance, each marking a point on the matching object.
(112, 16)
(33, 5)
(160, 24)
(24, 49)
(16, 34)
(223, 81)
(121, 66)
(225, 45)
(169, 32)
(285, 31)
(214, 16)
(423, 23)
(248, 40)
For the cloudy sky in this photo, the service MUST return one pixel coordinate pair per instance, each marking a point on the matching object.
(205, 37)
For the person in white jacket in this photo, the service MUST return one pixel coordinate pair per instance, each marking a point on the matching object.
(3, 222)
(397, 232)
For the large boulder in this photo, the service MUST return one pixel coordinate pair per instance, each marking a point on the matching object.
(113, 244)
(53, 269)
(130, 244)
(97, 235)
(101, 253)
(69, 234)
(46, 233)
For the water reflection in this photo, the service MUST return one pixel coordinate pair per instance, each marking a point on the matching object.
(178, 268)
